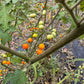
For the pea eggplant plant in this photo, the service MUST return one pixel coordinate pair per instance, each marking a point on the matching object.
(36, 23)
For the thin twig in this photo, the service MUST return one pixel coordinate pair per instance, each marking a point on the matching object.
(81, 20)
(70, 11)
(41, 14)
(76, 4)
(38, 20)
(46, 13)
(53, 18)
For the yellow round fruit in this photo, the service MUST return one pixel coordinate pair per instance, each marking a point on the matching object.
(35, 35)
(32, 15)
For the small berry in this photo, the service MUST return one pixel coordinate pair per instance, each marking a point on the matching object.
(39, 51)
(4, 62)
(1, 74)
(23, 62)
(25, 46)
(29, 40)
(8, 63)
(43, 6)
(41, 46)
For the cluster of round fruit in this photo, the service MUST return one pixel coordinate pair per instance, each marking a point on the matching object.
(33, 15)
(39, 51)
(5, 55)
(81, 67)
(22, 62)
(41, 4)
(41, 25)
(52, 35)
(6, 62)
(25, 45)
(41, 47)
(1, 71)
(34, 28)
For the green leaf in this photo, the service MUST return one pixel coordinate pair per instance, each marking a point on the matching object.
(81, 37)
(73, 25)
(7, 1)
(61, 15)
(5, 37)
(82, 6)
(18, 77)
(5, 17)
(15, 59)
(14, 1)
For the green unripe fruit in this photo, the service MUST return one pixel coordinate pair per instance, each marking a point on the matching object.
(53, 16)
(44, 12)
(41, 26)
(49, 37)
(81, 71)
(41, 22)
(82, 67)
(37, 5)
(3, 55)
(54, 30)
(54, 34)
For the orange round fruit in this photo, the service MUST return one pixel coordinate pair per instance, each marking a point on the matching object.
(39, 9)
(30, 29)
(0, 70)
(25, 46)
(23, 62)
(37, 28)
(39, 51)
(8, 62)
(43, 6)
(41, 46)
(1, 74)
(4, 62)
(60, 36)
(40, 4)
(29, 40)
(33, 28)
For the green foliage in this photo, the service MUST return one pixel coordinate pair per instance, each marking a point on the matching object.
(73, 25)
(82, 6)
(55, 7)
(18, 77)
(5, 17)
(81, 37)
(13, 1)
(77, 77)
(5, 37)
(71, 2)
(15, 59)
(61, 15)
